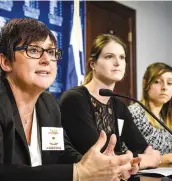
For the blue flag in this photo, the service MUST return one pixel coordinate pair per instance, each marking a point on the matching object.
(76, 64)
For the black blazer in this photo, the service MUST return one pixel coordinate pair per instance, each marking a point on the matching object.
(15, 162)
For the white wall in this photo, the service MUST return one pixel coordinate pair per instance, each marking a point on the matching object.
(153, 34)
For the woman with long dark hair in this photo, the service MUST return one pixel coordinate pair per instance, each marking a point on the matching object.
(157, 97)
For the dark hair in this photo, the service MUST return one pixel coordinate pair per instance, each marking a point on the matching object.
(99, 43)
(153, 72)
(26, 30)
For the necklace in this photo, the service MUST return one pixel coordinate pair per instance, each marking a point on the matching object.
(24, 120)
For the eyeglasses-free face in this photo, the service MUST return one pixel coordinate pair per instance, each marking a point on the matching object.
(36, 52)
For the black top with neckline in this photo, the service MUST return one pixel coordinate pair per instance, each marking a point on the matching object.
(78, 119)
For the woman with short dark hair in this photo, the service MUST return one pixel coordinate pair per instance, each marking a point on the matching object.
(31, 136)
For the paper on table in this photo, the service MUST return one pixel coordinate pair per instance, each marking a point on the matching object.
(165, 171)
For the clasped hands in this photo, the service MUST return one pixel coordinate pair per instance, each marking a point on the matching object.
(107, 166)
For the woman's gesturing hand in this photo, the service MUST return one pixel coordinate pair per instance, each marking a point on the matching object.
(134, 162)
(105, 166)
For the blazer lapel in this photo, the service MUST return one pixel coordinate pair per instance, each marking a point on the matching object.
(44, 118)
(20, 131)
(17, 119)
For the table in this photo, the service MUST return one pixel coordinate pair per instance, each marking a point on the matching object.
(150, 178)
(165, 165)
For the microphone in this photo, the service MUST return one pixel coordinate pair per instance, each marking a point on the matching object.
(107, 92)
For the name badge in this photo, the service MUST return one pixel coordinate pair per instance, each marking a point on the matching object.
(52, 138)
(120, 126)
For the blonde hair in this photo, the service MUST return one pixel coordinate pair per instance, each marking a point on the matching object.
(153, 72)
(98, 44)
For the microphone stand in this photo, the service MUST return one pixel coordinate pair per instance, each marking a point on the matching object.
(144, 107)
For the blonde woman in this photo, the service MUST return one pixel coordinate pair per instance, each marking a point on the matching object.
(157, 97)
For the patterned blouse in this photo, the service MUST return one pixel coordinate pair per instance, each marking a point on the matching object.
(160, 139)
(103, 115)
(104, 118)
